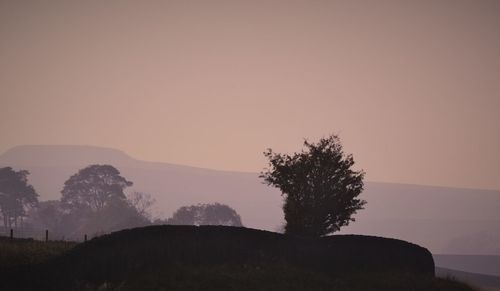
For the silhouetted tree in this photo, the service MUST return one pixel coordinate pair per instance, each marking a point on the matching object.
(220, 214)
(319, 186)
(206, 214)
(16, 196)
(94, 201)
(93, 188)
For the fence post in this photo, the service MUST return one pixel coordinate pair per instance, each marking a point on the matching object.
(85, 238)
(46, 235)
(11, 234)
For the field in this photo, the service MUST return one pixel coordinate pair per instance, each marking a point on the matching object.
(216, 258)
(21, 252)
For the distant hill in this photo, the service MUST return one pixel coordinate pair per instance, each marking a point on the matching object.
(445, 220)
(485, 282)
(480, 264)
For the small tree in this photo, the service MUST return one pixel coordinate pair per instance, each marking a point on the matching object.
(16, 196)
(205, 214)
(319, 187)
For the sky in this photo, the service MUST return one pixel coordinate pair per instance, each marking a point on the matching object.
(411, 87)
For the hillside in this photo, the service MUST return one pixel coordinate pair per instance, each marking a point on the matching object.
(409, 212)
(485, 282)
(230, 258)
(480, 264)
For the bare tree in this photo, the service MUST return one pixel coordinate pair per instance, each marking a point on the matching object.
(142, 202)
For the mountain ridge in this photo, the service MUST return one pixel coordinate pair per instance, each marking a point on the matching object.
(12, 153)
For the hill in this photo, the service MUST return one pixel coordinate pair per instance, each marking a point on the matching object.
(480, 264)
(230, 258)
(485, 282)
(409, 212)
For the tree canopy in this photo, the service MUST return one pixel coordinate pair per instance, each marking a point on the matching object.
(16, 195)
(206, 214)
(93, 202)
(319, 186)
(93, 188)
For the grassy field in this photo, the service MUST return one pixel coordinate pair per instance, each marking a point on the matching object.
(21, 252)
(277, 277)
(161, 258)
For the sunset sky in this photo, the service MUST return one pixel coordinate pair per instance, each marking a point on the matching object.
(411, 87)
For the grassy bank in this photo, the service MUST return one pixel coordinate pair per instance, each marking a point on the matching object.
(19, 252)
(278, 277)
(218, 258)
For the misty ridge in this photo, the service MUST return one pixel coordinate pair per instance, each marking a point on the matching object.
(445, 220)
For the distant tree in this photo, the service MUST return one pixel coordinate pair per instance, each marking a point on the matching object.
(220, 214)
(94, 201)
(16, 196)
(93, 188)
(142, 202)
(116, 215)
(48, 215)
(319, 186)
(205, 214)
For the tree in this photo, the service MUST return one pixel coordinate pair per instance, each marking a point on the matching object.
(16, 196)
(319, 187)
(116, 215)
(94, 202)
(48, 215)
(205, 214)
(142, 202)
(93, 188)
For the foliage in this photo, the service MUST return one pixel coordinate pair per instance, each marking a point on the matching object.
(93, 202)
(319, 186)
(16, 196)
(94, 187)
(206, 214)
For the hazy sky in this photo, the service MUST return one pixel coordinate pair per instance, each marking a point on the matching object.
(411, 87)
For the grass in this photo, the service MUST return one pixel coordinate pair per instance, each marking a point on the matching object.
(19, 252)
(277, 278)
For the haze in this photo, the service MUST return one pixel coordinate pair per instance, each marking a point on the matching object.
(411, 87)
